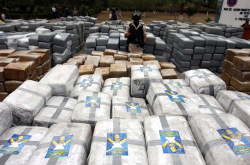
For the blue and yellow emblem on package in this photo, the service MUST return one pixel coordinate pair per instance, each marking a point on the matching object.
(145, 68)
(116, 85)
(235, 140)
(201, 74)
(171, 142)
(174, 96)
(133, 107)
(59, 146)
(244, 97)
(87, 82)
(178, 84)
(117, 144)
(14, 145)
(93, 102)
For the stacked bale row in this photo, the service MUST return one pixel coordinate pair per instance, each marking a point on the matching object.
(16, 67)
(236, 70)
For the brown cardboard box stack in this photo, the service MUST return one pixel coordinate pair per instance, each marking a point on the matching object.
(236, 70)
(115, 64)
(16, 67)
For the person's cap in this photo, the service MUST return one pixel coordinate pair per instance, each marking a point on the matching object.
(136, 16)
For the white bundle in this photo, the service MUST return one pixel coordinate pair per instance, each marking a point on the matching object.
(87, 83)
(27, 100)
(118, 141)
(179, 85)
(237, 103)
(129, 108)
(164, 101)
(6, 119)
(170, 141)
(203, 81)
(117, 87)
(30, 138)
(92, 107)
(76, 139)
(141, 76)
(58, 109)
(223, 139)
(62, 79)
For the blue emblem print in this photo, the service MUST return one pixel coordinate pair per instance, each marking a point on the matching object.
(171, 142)
(235, 140)
(59, 147)
(93, 102)
(14, 145)
(201, 74)
(116, 85)
(244, 97)
(117, 144)
(133, 107)
(232, 3)
(174, 96)
(87, 82)
(145, 68)
(178, 84)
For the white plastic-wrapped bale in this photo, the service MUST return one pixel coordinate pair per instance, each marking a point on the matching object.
(62, 79)
(87, 83)
(141, 76)
(19, 143)
(64, 144)
(170, 141)
(117, 87)
(118, 141)
(236, 103)
(164, 101)
(203, 81)
(6, 119)
(92, 107)
(27, 100)
(58, 109)
(222, 139)
(129, 108)
(179, 85)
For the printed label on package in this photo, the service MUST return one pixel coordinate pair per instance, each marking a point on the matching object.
(59, 146)
(117, 144)
(93, 102)
(244, 97)
(145, 68)
(133, 107)
(174, 96)
(14, 145)
(201, 74)
(87, 82)
(171, 142)
(178, 84)
(116, 85)
(235, 140)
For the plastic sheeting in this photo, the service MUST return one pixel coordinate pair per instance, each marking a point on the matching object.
(170, 141)
(118, 141)
(5, 117)
(76, 138)
(62, 79)
(27, 100)
(87, 83)
(222, 139)
(58, 109)
(92, 107)
(129, 108)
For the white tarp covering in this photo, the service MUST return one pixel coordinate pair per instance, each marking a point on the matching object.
(6, 119)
